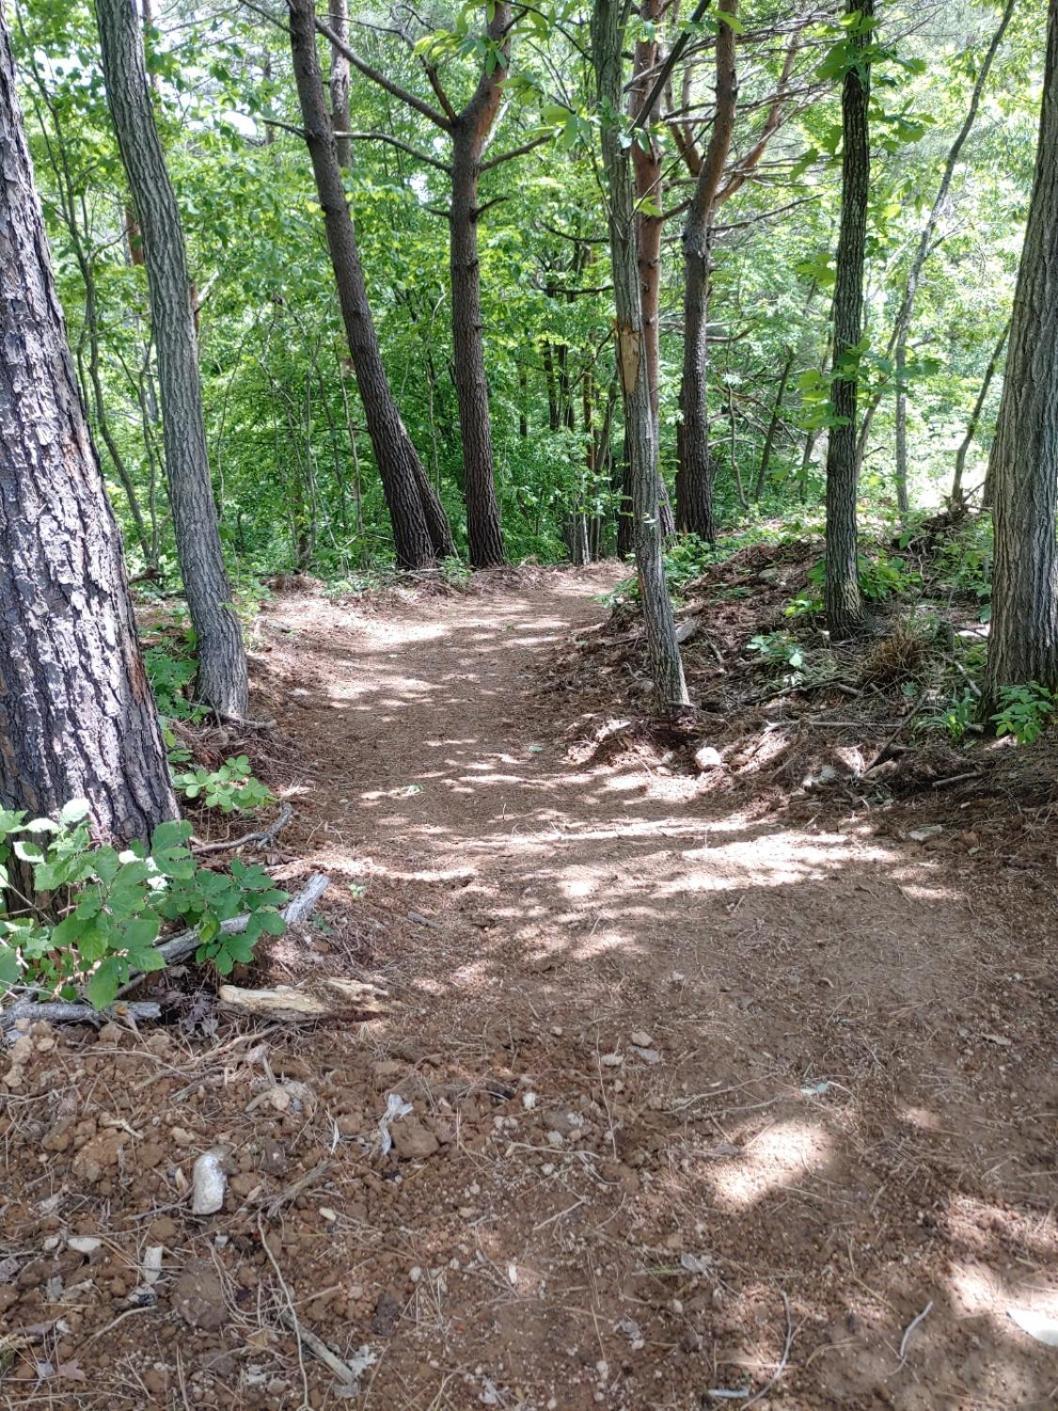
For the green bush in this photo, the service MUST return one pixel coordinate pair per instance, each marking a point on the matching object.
(1025, 711)
(96, 912)
(231, 787)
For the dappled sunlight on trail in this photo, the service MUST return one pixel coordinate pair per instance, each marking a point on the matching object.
(813, 1083)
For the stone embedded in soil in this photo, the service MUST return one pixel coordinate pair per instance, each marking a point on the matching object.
(412, 1140)
(198, 1297)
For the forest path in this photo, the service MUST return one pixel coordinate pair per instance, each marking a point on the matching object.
(703, 1081)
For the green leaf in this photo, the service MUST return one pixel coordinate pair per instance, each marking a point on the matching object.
(102, 988)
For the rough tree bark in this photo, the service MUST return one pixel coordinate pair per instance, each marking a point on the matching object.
(222, 677)
(1023, 643)
(339, 83)
(471, 130)
(607, 42)
(844, 605)
(694, 488)
(420, 530)
(76, 715)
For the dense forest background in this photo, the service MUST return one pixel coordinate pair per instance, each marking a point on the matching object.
(291, 460)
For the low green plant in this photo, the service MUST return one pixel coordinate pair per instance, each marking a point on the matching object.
(170, 675)
(959, 716)
(1025, 711)
(881, 576)
(233, 787)
(455, 572)
(96, 912)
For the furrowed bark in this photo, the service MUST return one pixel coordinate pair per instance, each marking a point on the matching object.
(1023, 642)
(222, 676)
(694, 478)
(76, 715)
(844, 605)
(420, 530)
(470, 133)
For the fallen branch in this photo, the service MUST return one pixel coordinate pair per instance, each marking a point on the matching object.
(73, 1012)
(912, 713)
(286, 1002)
(175, 949)
(295, 1188)
(261, 836)
(296, 910)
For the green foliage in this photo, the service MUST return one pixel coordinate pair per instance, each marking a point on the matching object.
(959, 716)
(779, 649)
(96, 912)
(882, 576)
(170, 676)
(1025, 711)
(230, 788)
(964, 561)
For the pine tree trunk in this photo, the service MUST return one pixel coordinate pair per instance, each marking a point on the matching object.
(76, 715)
(472, 393)
(607, 36)
(773, 427)
(647, 167)
(694, 476)
(222, 678)
(420, 529)
(844, 605)
(1023, 643)
(339, 83)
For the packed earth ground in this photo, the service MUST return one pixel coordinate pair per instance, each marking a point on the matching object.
(718, 1096)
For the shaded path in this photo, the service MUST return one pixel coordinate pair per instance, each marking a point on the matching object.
(764, 1061)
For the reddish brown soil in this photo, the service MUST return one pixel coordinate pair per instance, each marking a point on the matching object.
(706, 1099)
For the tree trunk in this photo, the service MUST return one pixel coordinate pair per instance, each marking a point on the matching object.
(900, 476)
(844, 605)
(222, 677)
(76, 715)
(420, 529)
(773, 427)
(340, 119)
(1023, 644)
(957, 500)
(694, 478)
(607, 36)
(647, 168)
(470, 133)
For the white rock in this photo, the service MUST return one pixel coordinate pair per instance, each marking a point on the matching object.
(208, 1184)
(641, 1038)
(84, 1244)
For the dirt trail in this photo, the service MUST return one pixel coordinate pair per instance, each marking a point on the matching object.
(704, 1102)
(844, 1093)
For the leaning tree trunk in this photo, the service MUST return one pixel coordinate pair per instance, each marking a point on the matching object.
(694, 477)
(956, 498)
(844, 605)
(470, 133)
(607, 35)
(1023, 643)
(76, 715)
(222, 678)
(420, 530)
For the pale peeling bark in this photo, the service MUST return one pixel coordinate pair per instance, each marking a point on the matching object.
(76, 715)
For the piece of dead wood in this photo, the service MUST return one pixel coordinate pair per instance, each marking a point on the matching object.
(175, 949)
(299, 1006)
(261, 837)
(686, 630)
(72, 1012)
